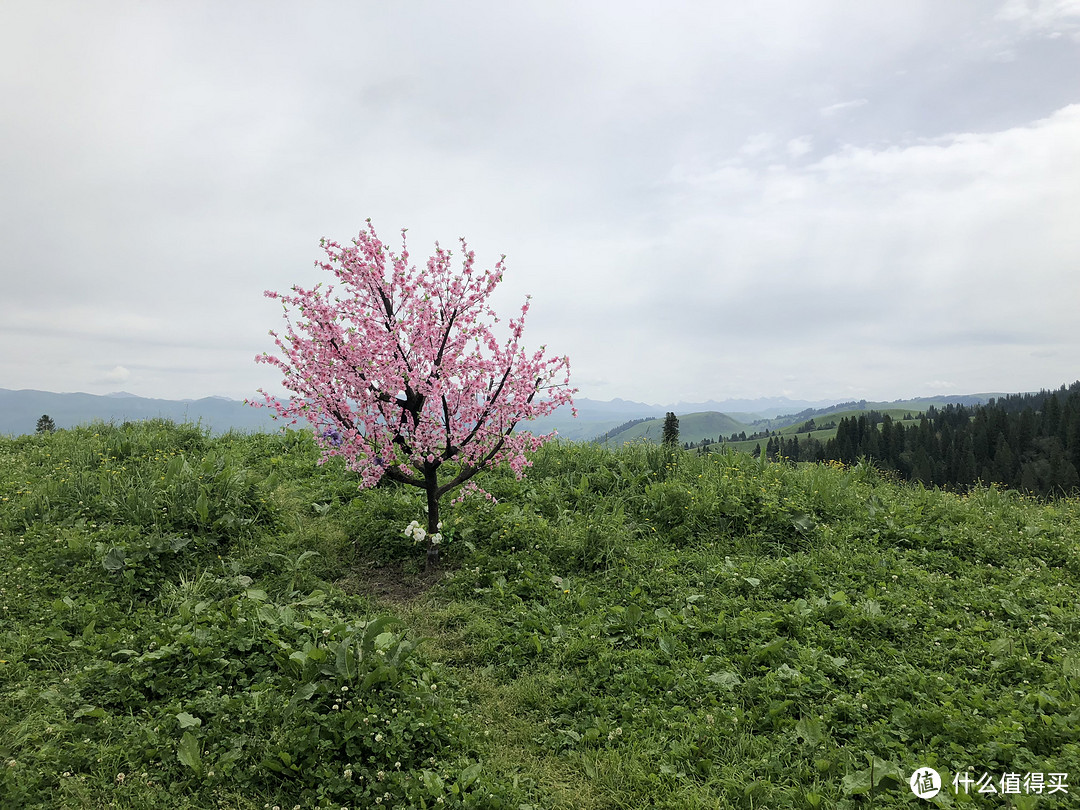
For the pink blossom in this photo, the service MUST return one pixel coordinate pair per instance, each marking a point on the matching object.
(400, 374)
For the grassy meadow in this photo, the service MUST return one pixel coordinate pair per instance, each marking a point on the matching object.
(822, 434)
(197, 622)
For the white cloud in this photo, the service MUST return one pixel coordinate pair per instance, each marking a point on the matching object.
(759, 144)
(798, 147)
(933, 242)
(841, 106)
(684, 189)
(1051, 18)
(118, 375)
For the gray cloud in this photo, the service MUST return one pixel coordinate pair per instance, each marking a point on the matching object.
(820, 198)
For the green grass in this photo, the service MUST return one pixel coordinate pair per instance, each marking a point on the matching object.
(218, 622)
(822, 435)
(693, 427)
(897, 414)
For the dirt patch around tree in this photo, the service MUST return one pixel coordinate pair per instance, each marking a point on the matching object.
(396, 583)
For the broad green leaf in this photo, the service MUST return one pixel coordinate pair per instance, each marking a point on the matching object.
(344, 658)
(188, 752)
(725, 680)
(1071, 666)
(810, 730)
(114, 560)
(871, 607)
(177, 543)
(433, 782)
(304, 693)
(469, 775)
(1012, 608)
(771, 648)
(667, 645)
(871, 777)
(86, 710)
(188, 720)
(856, 783)
(375, 627)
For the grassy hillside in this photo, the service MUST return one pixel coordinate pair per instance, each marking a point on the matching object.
(693, 427)
(197, 622)
(822, 435)
(896, 409)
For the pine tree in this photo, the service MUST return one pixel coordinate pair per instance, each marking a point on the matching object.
(1004, 462)
(965, 467)
(671, 430)
(45, 424)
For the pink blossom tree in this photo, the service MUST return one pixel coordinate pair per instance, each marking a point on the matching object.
(400, 374)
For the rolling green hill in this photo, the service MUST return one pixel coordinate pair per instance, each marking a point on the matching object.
(826, 426)
(693, 427)
(904, 406)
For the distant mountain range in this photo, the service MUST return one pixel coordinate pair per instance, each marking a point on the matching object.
(20, 410)
(699, 420)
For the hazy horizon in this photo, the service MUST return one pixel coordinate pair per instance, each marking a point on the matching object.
(120, 394)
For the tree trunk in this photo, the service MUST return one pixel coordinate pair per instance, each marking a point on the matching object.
(432, 484)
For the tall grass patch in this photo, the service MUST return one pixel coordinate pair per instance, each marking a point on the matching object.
(637, 627)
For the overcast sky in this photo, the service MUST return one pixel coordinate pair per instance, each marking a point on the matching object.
(705, 199)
